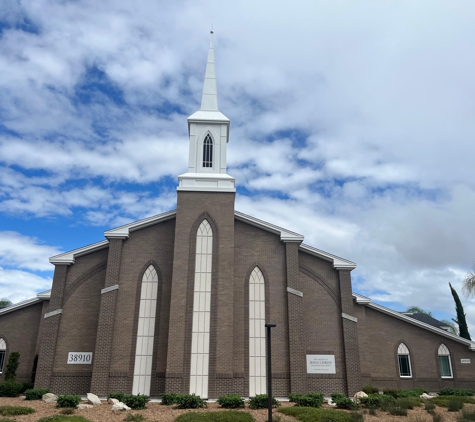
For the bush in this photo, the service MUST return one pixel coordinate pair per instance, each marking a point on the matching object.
(10, 388)
(15, 410)
(118, 396)
(190, 401)
(35, 393)
(231, 401)
(456, 392)
(134, 417)
(12, 366)
(387, 402)
(356, 417)
(68, 401)
(408, 402)
(391, 392)
(67, 411)
(170, 398)
(467, 415)
(309, 400)
(368, 389)
(416, 392)
(398, 411)
(310, 414)
(294, 396)
(443, 401)
(343, 402)
(260, 402)
(373, 401)
(429, 407)
(219, 416)
(136, 401)
(455, 404)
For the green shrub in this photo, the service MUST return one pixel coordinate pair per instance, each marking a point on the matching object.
(26, 386)
(455, 404)
(260, 402)
(15, 410)
(67, 411)
(136, 401)
(467, 415)
(356, 417)
(68, 401)
(391, 392)
(397, 411)
(372, 412)
(386, 402)
(416, 392)
(118, 396)
(190, 401)
(343, 402)
(408, 402)
(12, 366)
(368, 389)
(456, 392)
(294, 396)
(10, 388)
(443, 401)
(35, 393)
(311, 414)
(170, 398)
(63, 418)
(134, 417)
(429, 407)
(373, 401)
(309, 400)
(231, 401)
(219, 416)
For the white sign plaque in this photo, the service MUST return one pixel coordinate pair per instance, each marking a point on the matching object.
(464, 360)
(321, 364)
(80, 358)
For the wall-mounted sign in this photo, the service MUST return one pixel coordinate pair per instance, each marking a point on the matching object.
(80, 358)
(464, 360)
(321, 364)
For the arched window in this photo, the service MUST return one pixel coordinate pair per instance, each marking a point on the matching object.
(208, 151)
(404, 361)
(145, 332)
(3, 351)
(257, 339)
(444, 362)
(201, 311)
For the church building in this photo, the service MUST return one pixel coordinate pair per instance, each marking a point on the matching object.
(177, 302)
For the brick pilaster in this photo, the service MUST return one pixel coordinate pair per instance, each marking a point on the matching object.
(50, 329)
(350, 335)
(105, 327)
(298, 371)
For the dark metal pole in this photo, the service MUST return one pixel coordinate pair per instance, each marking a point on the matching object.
(269, 374)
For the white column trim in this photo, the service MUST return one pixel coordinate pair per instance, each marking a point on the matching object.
(110, 289)
(351, 318)
(53, 313)
(294, 292)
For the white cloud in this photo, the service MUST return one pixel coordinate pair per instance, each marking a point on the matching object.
(16, 285)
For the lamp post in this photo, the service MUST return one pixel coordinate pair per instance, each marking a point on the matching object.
(269, 373)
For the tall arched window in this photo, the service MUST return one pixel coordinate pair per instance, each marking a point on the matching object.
(404, 361)
(201, 311)
(444, 362)
(257, 340)
(208, 151)
(3, 351)
(145, 332)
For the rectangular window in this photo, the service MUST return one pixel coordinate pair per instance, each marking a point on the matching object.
(445, 369)
(404, 366)
(2, 359)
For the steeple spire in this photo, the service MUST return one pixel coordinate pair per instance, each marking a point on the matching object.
(209, 100)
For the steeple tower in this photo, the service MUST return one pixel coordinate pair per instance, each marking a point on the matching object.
(208, 130)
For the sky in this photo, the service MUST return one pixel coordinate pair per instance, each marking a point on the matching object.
(352, 123)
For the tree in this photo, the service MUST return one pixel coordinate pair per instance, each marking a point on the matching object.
(5, 302)
(461, 321)
(468, 287)
(452, 326)
(12, 366)
(417, 310)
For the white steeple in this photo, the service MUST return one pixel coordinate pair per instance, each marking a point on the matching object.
(208, 130)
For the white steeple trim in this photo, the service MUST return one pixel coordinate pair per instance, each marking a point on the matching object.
(208, 175)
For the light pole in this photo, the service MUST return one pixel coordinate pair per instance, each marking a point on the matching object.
(269, 373)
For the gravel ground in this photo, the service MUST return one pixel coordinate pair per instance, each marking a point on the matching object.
(157, 412)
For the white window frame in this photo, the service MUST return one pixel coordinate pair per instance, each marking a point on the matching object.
(211, 151)
(445, 352)
(403, 350)
(3, 348)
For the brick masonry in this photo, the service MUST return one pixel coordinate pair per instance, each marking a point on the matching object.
(365, 351)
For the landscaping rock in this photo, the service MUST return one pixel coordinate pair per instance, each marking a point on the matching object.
(85, 406)
(359, 395)
(120, 406)
(427, 396)
(330, 402)
(49, 398)
(112, 401)
(93, 399)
